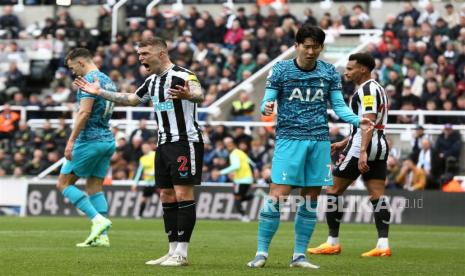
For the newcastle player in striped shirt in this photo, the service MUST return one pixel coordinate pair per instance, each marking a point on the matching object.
(174, 92)
(365, 153)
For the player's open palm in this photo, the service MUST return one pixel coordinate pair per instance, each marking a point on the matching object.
(180, 92)
(91, 88)
(366, 124)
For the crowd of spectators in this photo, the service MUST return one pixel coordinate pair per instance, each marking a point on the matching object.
(420, 60)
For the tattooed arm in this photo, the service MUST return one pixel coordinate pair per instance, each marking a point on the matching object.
(121, 98)
(95, 89)
(195, 92)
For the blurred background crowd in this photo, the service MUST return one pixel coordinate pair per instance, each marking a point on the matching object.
(420, 61)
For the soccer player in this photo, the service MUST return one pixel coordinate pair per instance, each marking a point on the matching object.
(302, 88)
(89, 149)
(365, 153)
(239, 164)
(174, 92)
(146, 170)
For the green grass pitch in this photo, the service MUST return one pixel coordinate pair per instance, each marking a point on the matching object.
(45, 246)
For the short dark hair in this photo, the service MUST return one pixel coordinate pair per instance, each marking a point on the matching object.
(78, 52)
(364, 59)
(309, 31)
(153, 41)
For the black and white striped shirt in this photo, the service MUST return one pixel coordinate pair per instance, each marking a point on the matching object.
(370, 98)
(176, 119)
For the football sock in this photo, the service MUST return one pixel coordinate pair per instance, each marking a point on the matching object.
(382, 216)
(333, 215)
(332, 240)
(170, 218)
(304, 225)
(80, 200)
(100, 204)
(186, 220)
(173, 246)
(181, 249)
(142, 208)
(383, 243)
(238, 207)
(268, 224)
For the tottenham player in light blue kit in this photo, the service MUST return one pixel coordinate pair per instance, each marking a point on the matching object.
(302, 88)
(89, 149)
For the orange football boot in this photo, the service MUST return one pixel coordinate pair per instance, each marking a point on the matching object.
(325, 249)
(377, 252)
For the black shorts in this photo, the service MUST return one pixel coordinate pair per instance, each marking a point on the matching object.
(148, 191)
(348, 168)
(178, 163)
(241, 189)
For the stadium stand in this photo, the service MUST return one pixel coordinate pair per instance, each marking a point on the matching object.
(420, 61)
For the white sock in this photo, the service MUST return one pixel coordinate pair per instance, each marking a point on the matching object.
(332, 240)
(181, 249)
(262, 253)
(296, 255)
(98, 217)
(173, 246)
(383, 243)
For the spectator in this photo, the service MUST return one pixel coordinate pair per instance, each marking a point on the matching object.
(393, 170)
(414, 81)
(241, 137)
(360, 13)
(18, 99)
(247, 64)
(454, 33)
(23, 133)
(14, 77)
(426, 162)
(448, 147)
(243, 108)
(143, 132)
(10, 23)
(418, 137)
(429, 15)
(431, 93)
(451, 17)
(37, 164)
(344, 15)
(234, 35)
(411, 177)
(8, 122)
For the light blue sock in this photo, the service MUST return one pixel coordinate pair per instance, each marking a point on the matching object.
(100, 204)
(305, 220)
(268, 224)
(80, 200)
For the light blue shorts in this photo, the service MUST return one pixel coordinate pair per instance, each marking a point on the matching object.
(89, 159)
(302, 163)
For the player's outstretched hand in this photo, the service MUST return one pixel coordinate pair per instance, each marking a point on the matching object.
(180, 92)
(91, 88)
(366, 124)
(269, 108)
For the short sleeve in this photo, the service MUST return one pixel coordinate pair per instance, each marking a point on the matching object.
(89, 78)
(367, 95)
(335, 84)
(143, 91)
(274, 78)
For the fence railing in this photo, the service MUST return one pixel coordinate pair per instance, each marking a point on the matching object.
(130, 121)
